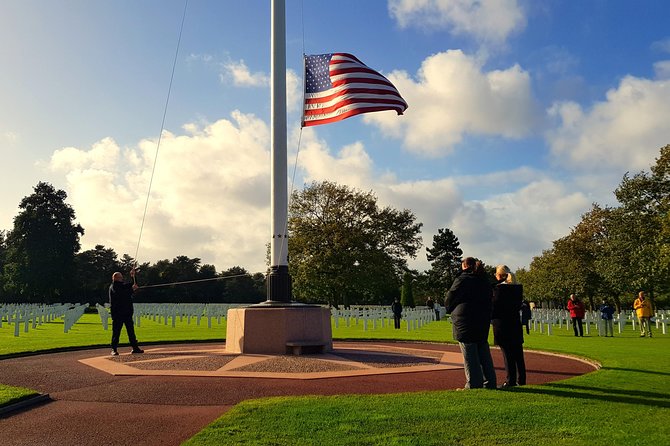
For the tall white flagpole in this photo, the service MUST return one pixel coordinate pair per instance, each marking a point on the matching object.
(279, 282)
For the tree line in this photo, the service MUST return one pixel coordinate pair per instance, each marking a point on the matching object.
(41, 262)
(346, 249)
(614, 251)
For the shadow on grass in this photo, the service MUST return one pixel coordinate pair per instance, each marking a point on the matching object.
(651, 372)
(562, 373)
(634, 393)
(609, 395)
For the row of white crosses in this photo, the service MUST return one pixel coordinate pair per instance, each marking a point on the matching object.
(374, 315)
(544, 319)
(371, 316)
(164, 312)
(662, 320)
(72, 315)
(33, 315)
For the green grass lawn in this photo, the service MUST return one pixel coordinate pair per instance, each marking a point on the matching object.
(10, 395)
(626, 402)
(88, 331)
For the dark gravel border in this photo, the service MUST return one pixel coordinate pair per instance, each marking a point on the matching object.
(24, 404)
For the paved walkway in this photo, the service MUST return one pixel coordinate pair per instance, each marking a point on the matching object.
(163, 402)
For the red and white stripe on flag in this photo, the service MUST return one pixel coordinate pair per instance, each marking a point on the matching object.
(338, 86)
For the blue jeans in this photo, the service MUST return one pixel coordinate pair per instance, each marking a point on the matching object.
(609, 326)
(479, 371)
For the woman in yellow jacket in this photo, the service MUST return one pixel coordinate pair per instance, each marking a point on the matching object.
(642, 307)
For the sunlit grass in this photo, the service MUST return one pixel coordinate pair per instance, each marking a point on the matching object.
(626, 402)
(9, 394)
(88, 331)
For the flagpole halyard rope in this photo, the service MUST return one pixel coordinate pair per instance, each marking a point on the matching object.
(160, 135)
(193, 281)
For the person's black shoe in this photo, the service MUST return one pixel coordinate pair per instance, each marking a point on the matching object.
(114, 353)
(504, 386)
(137, 350)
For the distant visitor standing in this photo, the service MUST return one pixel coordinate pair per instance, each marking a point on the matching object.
(396, 308)
(469, 302)
(121, 306)
(577, 310)
(607, 315)
(642, 307)
(526, 315)
(430, 303)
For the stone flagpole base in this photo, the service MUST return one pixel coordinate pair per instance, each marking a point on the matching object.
(278, 330)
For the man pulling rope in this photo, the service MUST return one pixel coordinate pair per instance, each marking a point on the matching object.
(121, 306)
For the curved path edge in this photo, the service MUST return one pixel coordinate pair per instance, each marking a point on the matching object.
(91, 407)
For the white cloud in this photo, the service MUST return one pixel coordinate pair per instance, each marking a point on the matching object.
(662, 69)
(624, 131)
(10, 137)
(206, 58)
(293, 91)
(491, 21)
(521, 223)
(209, 199)
(507, 227)
(452, 97)
(661, 45)
(241, 76)
(351, 165)
(496, 180)
(103, 153)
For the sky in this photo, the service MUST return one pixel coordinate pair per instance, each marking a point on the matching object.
(521, 115)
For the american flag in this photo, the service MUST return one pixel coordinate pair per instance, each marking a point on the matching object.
(338, 86)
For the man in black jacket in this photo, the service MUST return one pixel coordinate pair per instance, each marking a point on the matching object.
(121, 306)
(469, 302)
(396, 308)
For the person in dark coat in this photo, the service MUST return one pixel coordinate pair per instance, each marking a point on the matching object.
(469, 302)
(121, 307)
(396, 308)
(607, 315)
(430, 303)
(507, 328)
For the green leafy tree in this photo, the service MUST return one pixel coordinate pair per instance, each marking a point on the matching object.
(422, 290)
(127, 263)
(209, 289)
(613, 252)
(570, 266)
(241, 287)
(94, 269)
(344, 248)
(41, 247)
(4, 296)
(406, 295)
(162, 280)
(542, 282)
(445, 256)
(645, 203)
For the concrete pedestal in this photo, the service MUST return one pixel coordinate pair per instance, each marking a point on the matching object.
(277, 330)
